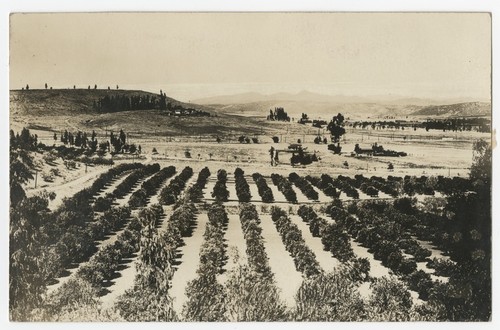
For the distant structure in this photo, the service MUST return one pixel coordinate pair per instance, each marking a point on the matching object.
(304, 119)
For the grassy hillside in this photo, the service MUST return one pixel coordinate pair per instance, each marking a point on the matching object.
(49, 102)
(459, 109)
(72, 109)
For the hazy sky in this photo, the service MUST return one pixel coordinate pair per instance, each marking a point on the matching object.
(191, 55)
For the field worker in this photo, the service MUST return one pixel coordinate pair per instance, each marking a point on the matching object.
(276, 158)
(271, 153)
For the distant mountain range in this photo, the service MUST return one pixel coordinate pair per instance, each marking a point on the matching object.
(460, 109)
(307, 96)
(80, 101)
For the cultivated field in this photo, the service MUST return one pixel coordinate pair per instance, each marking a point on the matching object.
(191, 228)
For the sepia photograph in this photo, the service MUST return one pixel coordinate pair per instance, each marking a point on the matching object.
(250, 166)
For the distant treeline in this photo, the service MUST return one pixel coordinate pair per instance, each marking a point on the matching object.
(462, 124)
(115, 103)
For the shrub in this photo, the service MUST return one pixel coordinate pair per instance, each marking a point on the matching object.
(102, 204)
(126, 185)
(220, 192)
(170, 194)
(291, 236)
(329, 297)
(264, 191)
(149, 187)
(242, 187)
(389, 301)
(337, 242)
(420, 282)
(206, 297)
(304, 186)
(252, 297)
(285, 187)
(256, 253)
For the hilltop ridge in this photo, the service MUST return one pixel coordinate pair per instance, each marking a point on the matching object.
(66, 101)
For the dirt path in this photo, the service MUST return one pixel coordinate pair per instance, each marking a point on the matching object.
(278, 196)
(209, 188)
(301, 198)
(122, 283)
(124, 200)
(435, 253)
(325, 258)
(100, 244)
(190, 260)
(69, 188)
(231, 187)
(155, 198)
(110, 187)
(254, 191)
(127, 275)
(376, 267)
(63, 279)
(236, 245)
(322, 198)
(343, 196)
(288, 279)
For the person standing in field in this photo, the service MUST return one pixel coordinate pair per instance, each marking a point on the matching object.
(271, 153)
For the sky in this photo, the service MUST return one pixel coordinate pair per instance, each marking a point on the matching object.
(195, 55)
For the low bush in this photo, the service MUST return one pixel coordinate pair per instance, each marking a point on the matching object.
(242, 187)
(304, 186)
(291, 236)
(220, 192)
(171, 193)
(265, 192)
(285, 187)
(149, 187)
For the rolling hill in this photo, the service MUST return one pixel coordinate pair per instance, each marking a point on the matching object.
(456, 110)
(56, 110)
(48, 102)
(73, 109)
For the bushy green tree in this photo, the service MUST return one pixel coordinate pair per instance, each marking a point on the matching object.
(390, 301)
(329, 297)
(252, 297)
